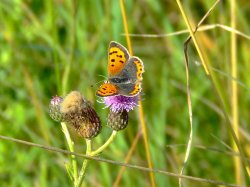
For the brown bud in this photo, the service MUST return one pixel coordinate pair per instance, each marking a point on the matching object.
(79, 114)
(118, 120)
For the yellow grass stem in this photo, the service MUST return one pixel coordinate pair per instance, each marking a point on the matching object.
(141, 114)
(234, 96)
(215, 84)
(125, 24)
(190, 140)
(197, 47)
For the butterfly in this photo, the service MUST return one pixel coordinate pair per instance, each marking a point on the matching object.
(124, 73)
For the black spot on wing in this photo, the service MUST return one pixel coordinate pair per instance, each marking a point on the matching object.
(112, 52)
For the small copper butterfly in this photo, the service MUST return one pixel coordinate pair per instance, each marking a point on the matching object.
(124, 73)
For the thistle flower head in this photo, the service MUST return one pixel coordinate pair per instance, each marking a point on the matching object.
(119, 103)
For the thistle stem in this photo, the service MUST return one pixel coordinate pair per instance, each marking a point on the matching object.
(84, 164)
(93, 153)
(105, 145)
(71, 148)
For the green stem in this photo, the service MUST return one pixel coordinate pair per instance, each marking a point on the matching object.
(94, 153)
(84, 164)
(104, 146)
(71, 148)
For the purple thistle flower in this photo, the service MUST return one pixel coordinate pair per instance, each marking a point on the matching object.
(56, 100)
(119, 103)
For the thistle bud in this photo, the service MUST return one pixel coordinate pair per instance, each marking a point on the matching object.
(55, 109)
(118, 120)
(79, 114)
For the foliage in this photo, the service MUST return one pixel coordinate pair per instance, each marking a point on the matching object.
(52, 47)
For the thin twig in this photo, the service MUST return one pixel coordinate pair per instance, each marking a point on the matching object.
(186, 31)
(205, 64)
(214, 149)
(132, 166)
(188, 87)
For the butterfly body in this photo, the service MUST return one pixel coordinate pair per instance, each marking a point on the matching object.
(124, 73)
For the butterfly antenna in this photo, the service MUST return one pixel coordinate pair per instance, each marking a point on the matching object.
(103, 76)
(99, 82)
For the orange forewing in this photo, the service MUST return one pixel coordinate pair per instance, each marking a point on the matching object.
(107, 89)
(117, 58)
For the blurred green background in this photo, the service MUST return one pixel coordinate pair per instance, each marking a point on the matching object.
(51, 47)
